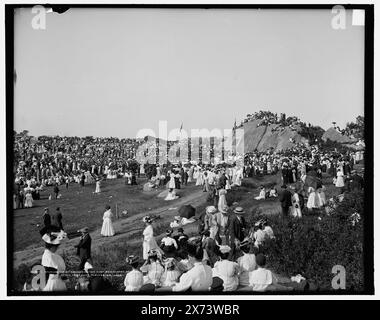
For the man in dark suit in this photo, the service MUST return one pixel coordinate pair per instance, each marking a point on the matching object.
(235, 229)
(56, 219)
(285, 198)
(84, 247)
(46, 221)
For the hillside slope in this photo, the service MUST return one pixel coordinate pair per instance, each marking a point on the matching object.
(273, 136)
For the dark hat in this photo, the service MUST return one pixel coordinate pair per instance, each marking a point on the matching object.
(169, 231)
(180, 230)
(83, 230)
(148, 287)
(217, 284)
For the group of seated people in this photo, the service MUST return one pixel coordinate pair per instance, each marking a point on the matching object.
(265, 194)
(187, 265)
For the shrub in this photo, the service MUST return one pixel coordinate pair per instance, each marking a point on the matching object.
(311, 246)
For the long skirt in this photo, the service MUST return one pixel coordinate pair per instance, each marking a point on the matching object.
(107, 228)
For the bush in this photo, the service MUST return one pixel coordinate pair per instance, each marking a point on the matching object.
(311, 246)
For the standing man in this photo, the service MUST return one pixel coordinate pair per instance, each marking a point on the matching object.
(235, 229)
(84, 247)
(56, 219)
(46, 221)
(56, 190)
(285, 198)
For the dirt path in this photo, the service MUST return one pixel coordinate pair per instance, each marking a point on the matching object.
(125, 229)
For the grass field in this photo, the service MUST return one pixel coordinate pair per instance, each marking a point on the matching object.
(81, 207)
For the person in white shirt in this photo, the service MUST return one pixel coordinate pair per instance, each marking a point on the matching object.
(198, 278)
(227, 270)
(261, 196)
(263, 279)
(134, 279)
(247, 263)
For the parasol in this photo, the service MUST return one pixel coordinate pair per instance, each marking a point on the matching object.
(187, 211)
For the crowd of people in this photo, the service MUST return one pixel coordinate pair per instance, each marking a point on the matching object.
(225, 255)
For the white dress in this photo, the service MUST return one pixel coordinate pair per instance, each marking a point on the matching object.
(154, 271)
(222, 202)
(53, 260)
(172, 181)
(97, 189)
(296, 208)
(339, 180)
(199, 181)
(107, 228)
(28, 201)
(171, 196)
(149, 241)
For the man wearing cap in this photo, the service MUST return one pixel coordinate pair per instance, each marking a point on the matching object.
(285, 198)
(235, 228)
(84, 247)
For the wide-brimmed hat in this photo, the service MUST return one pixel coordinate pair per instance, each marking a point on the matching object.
(239, 210)
(211, 209)
(132, 259)
(54, 238)
(83, 230)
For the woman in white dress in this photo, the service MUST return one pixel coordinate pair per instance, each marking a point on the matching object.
(53, 262)
(97, 188)
(28, 200)
(239, 177)
(171, 184)
(200, 180)
(153, 269)
(134, 279)
(171, 274)
(312, 200)
(222, 202)
(210, 221)
(296, 207)
(261, 195)
(339, 179)
(149, 242)
(107, 228)
(196, 173)
(171, 195)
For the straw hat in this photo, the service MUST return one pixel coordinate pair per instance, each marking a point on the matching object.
(54, 238)
(239, 210)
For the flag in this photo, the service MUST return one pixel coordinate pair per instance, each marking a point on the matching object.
(180, 129)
